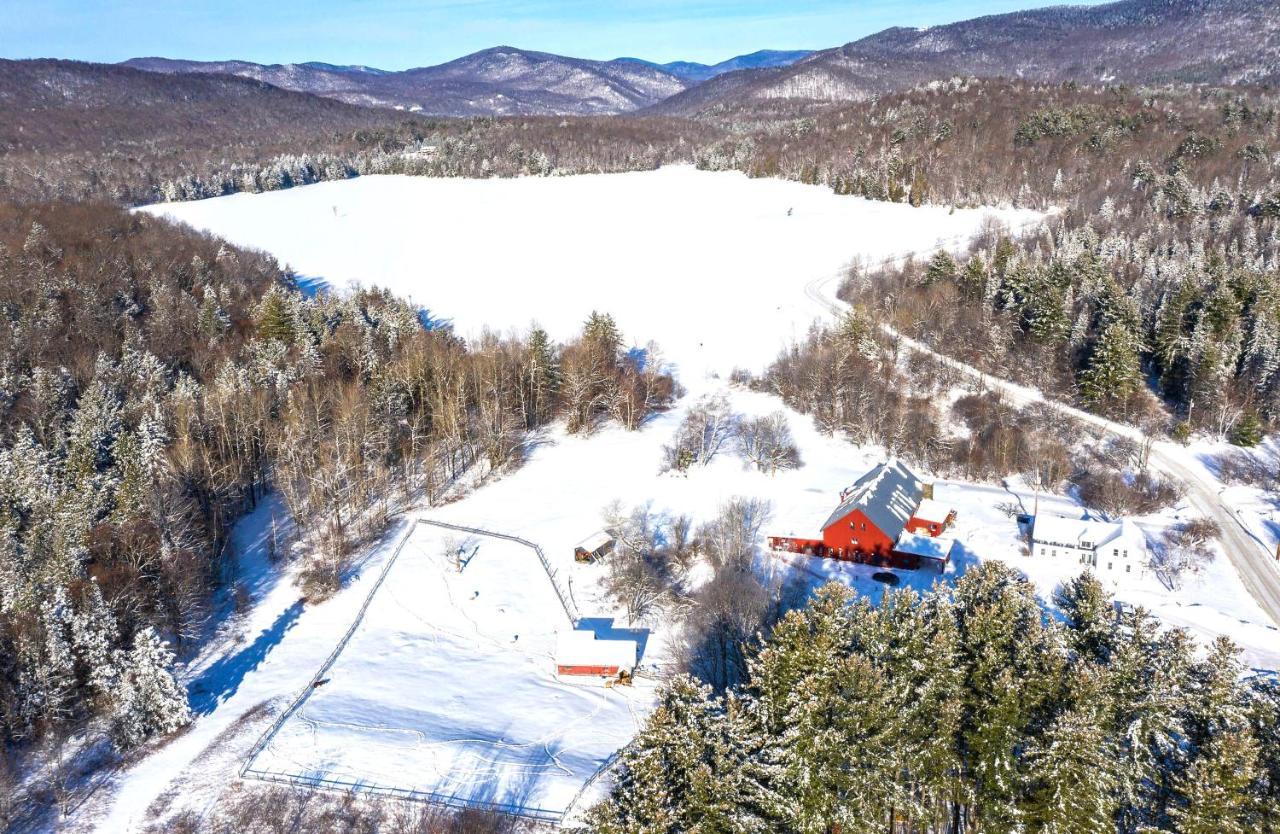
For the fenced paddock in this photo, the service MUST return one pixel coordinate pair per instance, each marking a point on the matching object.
(443, 690)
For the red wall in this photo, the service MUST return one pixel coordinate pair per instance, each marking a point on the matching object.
(928, 528)
(924, 528)
(603, 671)
(855, 533)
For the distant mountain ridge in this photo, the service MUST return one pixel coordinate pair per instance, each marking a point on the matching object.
(503, 80)
(763, 59)
(1131, 41)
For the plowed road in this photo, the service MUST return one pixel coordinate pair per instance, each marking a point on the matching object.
(1254, 562)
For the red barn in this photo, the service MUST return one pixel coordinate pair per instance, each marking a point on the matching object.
(875, 514)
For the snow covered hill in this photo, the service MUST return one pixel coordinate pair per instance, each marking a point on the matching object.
(498, 81)
(1131, 41)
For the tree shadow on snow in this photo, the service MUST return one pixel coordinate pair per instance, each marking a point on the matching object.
(222, 678)
(511, 776)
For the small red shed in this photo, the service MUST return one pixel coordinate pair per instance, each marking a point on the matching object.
(931, 518)
(581, 653)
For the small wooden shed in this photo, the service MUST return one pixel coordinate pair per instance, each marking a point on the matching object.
(593, 547)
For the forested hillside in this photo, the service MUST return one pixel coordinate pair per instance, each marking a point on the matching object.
(70, 130)
(155, 384)
(1145, 42)
(1160, 264)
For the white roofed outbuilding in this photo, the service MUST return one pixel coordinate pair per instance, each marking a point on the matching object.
(580, 652)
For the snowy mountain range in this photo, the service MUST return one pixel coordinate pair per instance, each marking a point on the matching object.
(1134, 41)
(1131, 41)
(503, 80)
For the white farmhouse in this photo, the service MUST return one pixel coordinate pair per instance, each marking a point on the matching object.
(1102, 545)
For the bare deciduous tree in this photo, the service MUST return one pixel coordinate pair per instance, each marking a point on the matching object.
(766, 443)
(705, 431)
(1185, 550)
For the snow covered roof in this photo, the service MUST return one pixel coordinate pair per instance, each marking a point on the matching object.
(1074, 532)
(935, 511)
(926, 547)
(595, 541)
(581, 648)
(887, 496)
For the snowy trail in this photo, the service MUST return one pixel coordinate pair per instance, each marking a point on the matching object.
(1253, 562)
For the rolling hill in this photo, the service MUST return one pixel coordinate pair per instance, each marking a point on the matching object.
(1132, 41)
(499, 81)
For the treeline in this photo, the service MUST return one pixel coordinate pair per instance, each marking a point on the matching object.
(966, 709)
(1158, 271)
(970, 142)
(478, 148)
(76, 131)
(156, 384)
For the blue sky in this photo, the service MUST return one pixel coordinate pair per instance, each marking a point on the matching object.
(397, 34)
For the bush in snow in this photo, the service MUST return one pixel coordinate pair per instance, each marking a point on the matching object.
(1184, 549)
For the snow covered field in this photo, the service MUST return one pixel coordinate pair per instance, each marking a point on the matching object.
(434, 692)
(709, 265)
(447, 687)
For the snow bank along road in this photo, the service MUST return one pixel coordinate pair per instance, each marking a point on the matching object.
(1254, 563)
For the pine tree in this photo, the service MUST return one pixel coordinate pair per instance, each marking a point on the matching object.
(1072, 766)
(94, 636)
(1089, 615)
(1147, 674)
(1215, 789)
(52, 671)
(682, 772)
(1114, 370)
(542, 378)
(275, 320)
(1011, 670)
(1248, 430)
(602, 337)
(150, 702)
(1264, 724)
(942, 267)
(973, 281)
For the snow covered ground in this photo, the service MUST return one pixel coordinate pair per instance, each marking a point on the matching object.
(433, 691)
(708, 264)
(1258, 511)
(447, 688)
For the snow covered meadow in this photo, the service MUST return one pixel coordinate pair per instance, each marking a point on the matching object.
(433, 693)
(710, 265)
(445, 688)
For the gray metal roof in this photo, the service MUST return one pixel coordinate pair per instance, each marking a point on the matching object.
(887, 496)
